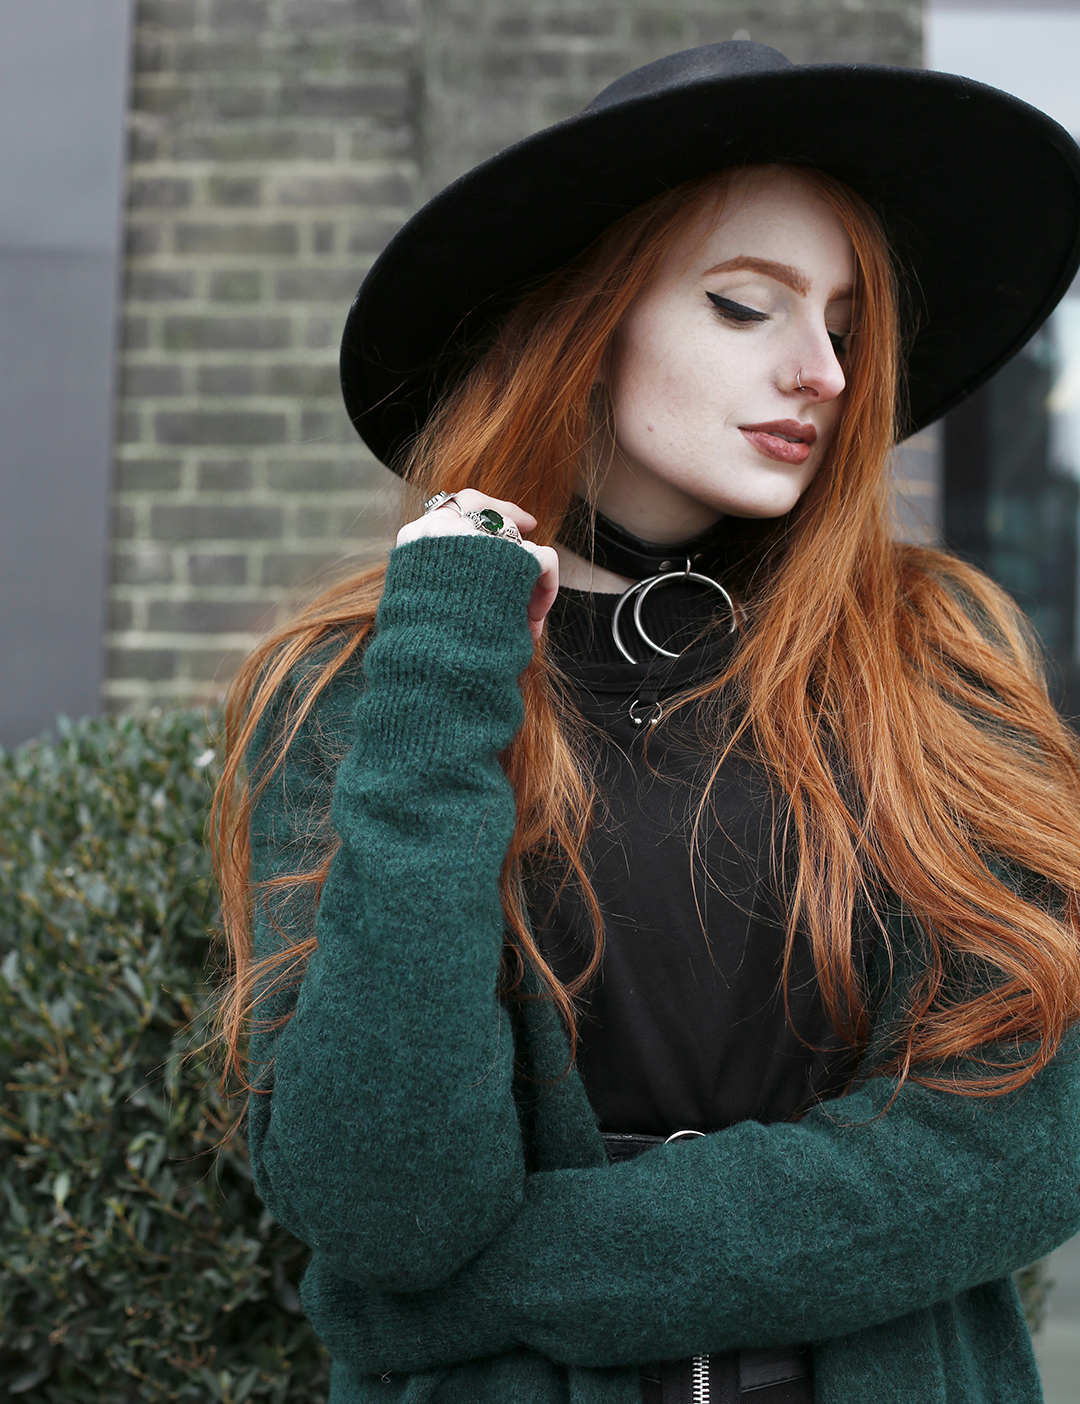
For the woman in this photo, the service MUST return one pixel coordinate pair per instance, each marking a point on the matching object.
(654, 892)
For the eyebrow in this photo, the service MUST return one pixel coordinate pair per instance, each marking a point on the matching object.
(782, 272)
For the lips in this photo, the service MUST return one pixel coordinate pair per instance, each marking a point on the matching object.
(785, 440)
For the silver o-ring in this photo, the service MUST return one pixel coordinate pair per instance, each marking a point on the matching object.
(664, 579)
(641, 589)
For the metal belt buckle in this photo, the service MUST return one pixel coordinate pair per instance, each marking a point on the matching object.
(684, 1136)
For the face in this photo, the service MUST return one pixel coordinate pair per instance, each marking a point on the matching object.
(704, 374)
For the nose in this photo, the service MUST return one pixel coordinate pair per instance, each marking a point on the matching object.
(819, 376)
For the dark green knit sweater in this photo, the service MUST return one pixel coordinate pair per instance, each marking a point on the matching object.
(470, 1241)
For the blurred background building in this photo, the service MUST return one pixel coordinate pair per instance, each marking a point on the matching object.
(1011, 457)
(63, 91)
(1012, 451)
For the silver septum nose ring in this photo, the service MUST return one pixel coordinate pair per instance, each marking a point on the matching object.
(798, 380)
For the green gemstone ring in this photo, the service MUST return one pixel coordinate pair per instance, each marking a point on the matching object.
(493, 523)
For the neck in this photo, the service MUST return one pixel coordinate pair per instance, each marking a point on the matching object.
(577, 573)
(608, 552)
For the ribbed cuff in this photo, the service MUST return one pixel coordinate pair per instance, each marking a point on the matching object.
(460, 583)
(451, 641)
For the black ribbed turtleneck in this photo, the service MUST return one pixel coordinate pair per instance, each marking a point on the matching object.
(684, 1027)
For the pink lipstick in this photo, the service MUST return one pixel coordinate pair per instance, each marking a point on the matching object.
(785, 440)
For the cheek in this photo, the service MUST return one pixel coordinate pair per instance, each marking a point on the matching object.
(661, 380)
(634, 367)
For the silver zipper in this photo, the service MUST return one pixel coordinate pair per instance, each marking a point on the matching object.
(701, 1379)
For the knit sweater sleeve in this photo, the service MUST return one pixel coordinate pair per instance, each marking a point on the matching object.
(871, 1207)
(762, 1235)
(385, 1133)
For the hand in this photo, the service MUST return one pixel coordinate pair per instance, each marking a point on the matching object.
(447, 521)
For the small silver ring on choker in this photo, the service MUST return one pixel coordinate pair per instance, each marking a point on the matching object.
(641, 588)
(652, 714)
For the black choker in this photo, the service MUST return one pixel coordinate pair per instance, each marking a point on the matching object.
(611, 548)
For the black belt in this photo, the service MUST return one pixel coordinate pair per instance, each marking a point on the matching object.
(784, 1373)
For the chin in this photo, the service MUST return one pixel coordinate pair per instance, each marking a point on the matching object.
(775, 503)
(759, 509)
(758, 495)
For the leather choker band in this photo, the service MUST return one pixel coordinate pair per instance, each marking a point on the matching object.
(612, 548)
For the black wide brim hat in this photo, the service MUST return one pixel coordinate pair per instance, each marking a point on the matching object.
(979, 193)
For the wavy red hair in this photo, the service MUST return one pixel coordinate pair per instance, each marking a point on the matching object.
(893, 693)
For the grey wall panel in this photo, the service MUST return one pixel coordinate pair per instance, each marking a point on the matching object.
(63, 81)
(56, 320)
(63, 94)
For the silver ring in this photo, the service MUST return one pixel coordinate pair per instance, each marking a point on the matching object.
(638, 591)
(653, 712)
(798, 379)
(492, 523)
(665, 579)
(444, 499)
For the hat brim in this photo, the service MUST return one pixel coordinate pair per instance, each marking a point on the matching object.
(980, 194)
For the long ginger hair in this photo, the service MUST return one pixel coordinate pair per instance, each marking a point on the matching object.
(893, 694)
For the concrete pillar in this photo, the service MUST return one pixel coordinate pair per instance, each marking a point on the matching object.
(63, 90)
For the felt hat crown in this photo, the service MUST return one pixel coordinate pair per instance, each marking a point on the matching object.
(979, 193)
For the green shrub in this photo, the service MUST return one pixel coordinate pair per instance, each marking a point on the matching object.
(135, 1263)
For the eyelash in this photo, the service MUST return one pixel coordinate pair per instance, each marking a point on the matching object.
(735, 311)
(743, 316)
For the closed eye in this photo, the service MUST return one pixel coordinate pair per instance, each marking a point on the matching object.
(742, 315)
(735, 311)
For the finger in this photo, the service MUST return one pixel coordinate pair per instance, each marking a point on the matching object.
(470, 500)
(546, 588)
(437, 523)
(473, 501)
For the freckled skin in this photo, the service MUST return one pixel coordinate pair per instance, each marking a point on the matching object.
(683, 378)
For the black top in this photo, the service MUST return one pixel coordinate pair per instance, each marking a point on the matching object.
(684, 1026)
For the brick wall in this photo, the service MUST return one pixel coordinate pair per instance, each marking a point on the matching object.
(273, 152)
(497, 70)
(275, 147)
